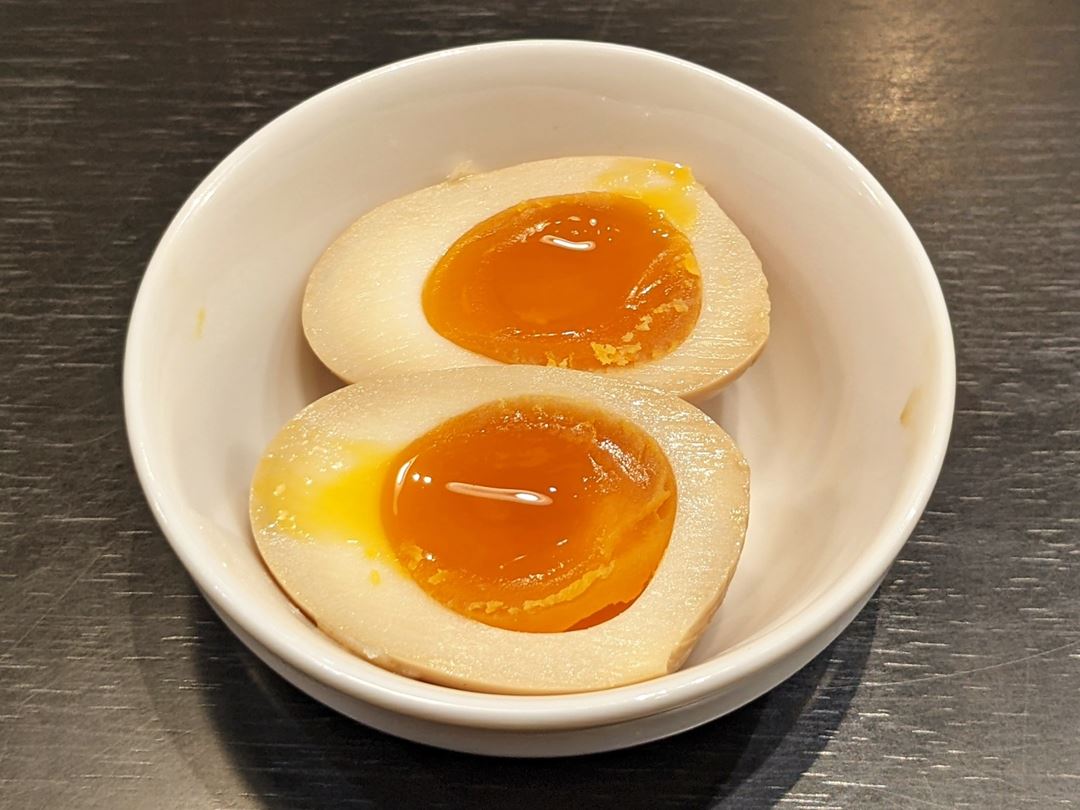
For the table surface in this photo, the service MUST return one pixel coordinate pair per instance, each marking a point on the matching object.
(958, 685)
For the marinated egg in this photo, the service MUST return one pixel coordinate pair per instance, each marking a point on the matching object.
(619, 265)
(513, 529)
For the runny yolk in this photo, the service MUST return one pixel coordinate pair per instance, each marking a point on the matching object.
(585, 281)
(532, 514)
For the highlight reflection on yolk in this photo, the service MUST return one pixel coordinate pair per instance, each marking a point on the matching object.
(585, 280)
(532, 514)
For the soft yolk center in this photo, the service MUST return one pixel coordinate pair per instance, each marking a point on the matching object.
(533, 514)
(584, 280)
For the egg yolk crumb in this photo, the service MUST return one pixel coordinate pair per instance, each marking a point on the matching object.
(589, 281)
(532, 514)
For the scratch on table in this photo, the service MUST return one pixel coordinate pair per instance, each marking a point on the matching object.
(976, 670)
(56, 603)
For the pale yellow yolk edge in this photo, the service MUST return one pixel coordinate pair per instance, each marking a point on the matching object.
(663, 186)
(323, 491)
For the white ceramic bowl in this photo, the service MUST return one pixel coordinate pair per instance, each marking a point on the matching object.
(844, 419)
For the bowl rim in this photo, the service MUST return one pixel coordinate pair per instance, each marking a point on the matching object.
(368, 682)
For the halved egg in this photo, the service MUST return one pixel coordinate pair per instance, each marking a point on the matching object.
(616, 264)
(514, 530)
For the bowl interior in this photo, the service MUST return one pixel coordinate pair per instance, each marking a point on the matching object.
(842, 419)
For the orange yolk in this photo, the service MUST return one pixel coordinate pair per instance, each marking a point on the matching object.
(532, 514)
(584, 281)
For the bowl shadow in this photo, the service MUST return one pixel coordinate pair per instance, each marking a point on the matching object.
(291, 751)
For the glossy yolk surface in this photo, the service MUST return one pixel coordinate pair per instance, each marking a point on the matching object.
(584, 281)
(533, 514)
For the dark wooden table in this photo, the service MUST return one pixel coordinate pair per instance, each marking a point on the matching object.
(959, 685)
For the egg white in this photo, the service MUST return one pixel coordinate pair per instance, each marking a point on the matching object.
(362, 311)
(390, 620)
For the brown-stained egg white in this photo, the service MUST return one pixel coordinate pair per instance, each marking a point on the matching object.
(515, 529)
(624, 266)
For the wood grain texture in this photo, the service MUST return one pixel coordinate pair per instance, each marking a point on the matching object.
(958, 686)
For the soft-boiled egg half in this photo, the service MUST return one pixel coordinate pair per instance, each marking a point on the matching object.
(616, 264)
(505, 529)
